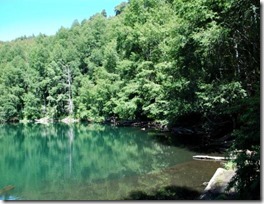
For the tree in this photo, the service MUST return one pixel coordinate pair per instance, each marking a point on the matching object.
(156, 60)
(120, 8)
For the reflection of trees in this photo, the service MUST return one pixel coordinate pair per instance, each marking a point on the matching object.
(33, 154)
(71, 139)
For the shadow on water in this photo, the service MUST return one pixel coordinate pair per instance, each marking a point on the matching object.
(167, 193)
(193, 142)
(198, 133)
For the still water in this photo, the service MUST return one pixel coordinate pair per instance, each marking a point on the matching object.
(91, 162)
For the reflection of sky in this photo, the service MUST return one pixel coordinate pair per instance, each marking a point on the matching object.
(60, 155)
(27, 17)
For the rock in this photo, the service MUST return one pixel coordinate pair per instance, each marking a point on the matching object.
(69, 120)
(45, 120)
(218, 184)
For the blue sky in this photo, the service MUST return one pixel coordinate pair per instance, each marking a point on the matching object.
(27, 17)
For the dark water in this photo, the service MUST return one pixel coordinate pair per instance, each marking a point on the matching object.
(91, 162)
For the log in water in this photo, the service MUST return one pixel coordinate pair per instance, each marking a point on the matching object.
(211, 158)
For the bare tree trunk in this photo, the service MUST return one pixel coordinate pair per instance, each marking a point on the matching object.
(69, 78)
(237, 58)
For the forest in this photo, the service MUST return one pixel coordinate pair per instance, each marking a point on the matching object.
(171, 62)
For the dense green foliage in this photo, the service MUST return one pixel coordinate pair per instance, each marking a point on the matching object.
(155, 60)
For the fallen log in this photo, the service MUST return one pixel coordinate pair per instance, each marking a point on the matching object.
(210, 158)
(6, 189)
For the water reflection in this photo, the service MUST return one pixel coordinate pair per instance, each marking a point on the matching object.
(45, 161)
(71, 139)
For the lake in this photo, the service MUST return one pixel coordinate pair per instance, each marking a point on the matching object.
(85, 161)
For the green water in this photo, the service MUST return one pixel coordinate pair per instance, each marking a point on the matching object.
(91, 162)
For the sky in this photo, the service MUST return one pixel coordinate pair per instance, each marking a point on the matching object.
(26, 17)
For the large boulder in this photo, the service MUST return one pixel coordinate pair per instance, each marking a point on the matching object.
(217, 186)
